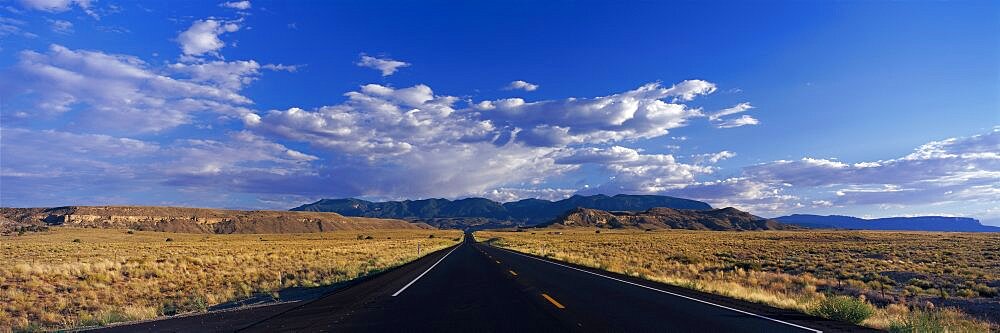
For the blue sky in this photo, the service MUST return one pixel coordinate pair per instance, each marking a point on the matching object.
(861, 108)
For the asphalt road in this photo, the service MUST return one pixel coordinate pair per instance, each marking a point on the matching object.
(478, 288)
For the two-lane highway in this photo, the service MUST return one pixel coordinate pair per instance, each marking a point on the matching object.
(461, 291)
(480, 288)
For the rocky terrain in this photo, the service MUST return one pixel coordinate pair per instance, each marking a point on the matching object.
(667, 218)
(191, 220)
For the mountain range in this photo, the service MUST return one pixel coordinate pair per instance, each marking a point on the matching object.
(481, 213)
(918, 223)
(728, 218)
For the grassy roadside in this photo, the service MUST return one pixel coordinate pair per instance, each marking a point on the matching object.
(835, 274)
(69, 277)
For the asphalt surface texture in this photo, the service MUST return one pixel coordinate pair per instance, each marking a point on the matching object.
(475, 287)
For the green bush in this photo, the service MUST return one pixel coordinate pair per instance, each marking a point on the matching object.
(844, 308)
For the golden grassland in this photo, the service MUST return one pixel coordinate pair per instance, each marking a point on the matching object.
(796, 269)
(71, 277)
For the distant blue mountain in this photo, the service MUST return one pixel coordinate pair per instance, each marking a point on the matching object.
(919, 223)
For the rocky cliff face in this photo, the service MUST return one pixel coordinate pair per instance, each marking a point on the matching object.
(667, 218)
(197, 220)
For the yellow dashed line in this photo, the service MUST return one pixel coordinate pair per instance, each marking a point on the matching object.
(513, 273)
(498, 261)
(553, 301)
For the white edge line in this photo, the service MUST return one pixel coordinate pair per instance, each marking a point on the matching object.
(425, 272)
(662, 291)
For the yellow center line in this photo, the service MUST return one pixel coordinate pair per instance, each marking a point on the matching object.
(513, 273)
(553, 301)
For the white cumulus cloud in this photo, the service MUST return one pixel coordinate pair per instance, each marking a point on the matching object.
(203, 37)
(636, 114)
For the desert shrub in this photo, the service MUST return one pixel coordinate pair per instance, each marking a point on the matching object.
(984, 290)
(919, 322)
(942, 320)
(967, 293)
(844, 308)
(913, 290)
(923, 284)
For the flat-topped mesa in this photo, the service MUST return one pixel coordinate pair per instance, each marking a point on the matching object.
(667, 218)
(198, 220)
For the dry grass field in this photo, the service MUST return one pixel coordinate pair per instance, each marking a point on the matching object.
(901, 281)
(70, 277)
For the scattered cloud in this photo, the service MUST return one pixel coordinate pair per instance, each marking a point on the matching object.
(283, 68)
(62, 27)
(113, 29)
(714, 157)
(48, 165)
(232, 76)
(13, 27)
(743, 120)
(241, 5)
(122, 92)
(732, 110)
(522, 85)
(57, 6)
(740, 192)
(955, 168)
(634, 172)
(952, 170)
(385, 65)
(203, 37)
(636, 114)
(411, 142)
(505, 194)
